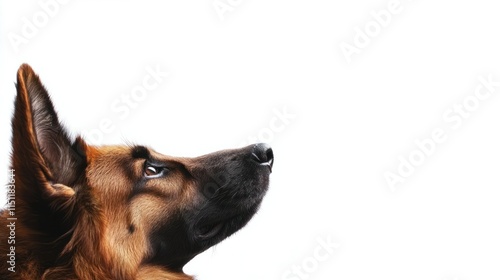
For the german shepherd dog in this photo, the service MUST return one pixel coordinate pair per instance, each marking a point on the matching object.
(78, 211)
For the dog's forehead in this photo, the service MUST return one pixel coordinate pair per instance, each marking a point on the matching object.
(162, 157)
(96, 153)
(127, 153)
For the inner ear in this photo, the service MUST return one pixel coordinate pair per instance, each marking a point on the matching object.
(63, 158)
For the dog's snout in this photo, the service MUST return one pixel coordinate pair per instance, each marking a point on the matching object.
(263, 155)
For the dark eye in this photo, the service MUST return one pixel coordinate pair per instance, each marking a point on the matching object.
(151, 171)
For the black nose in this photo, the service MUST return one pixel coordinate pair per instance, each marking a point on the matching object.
(263, 155)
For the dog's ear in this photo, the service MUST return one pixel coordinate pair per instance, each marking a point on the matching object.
(43, 154)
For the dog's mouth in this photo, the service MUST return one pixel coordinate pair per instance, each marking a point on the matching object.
(220, 227)
(214, 230)
(209, 231)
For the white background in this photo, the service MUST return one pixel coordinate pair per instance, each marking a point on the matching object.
(350, 122)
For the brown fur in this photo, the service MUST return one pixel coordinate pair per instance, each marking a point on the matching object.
(117, 212)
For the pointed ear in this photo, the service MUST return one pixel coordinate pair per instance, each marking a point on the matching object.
(42, 150)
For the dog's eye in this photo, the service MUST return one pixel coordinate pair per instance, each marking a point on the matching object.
(151, 171)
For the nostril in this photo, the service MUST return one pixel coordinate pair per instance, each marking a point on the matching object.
(263, 154)
(269, 154)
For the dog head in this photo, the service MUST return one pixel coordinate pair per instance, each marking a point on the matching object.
(122, 212)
